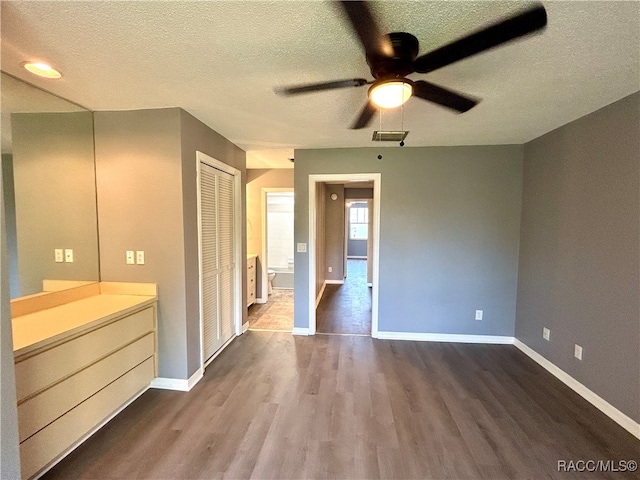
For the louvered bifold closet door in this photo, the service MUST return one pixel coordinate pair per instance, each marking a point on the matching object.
(216, 211)
(226, 253)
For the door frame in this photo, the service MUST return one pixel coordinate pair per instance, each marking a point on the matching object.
(346, 178)
(237, 241)
(264, 283)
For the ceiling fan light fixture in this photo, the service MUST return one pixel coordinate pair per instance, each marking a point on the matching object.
(390, 93)
(42, 69)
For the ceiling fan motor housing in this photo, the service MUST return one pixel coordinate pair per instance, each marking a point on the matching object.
(405, 50)
(393, 56)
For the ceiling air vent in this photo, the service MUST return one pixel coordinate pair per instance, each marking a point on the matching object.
(389, 135)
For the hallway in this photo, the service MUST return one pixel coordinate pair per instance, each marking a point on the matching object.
(346, 309)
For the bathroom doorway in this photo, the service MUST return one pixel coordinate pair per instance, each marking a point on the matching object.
(278, 240)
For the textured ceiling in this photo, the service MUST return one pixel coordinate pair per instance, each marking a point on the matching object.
(221, 60)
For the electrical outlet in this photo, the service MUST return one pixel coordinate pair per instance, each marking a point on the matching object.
(330, 269)
(140, 257)
(478, 314)
(301, 247)
(577, 351)
(130, 257)
(59, 255)
(68, 255)
(546, 333)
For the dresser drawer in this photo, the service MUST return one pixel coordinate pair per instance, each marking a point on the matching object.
(46, 368)
(39, 411)
(38, 451)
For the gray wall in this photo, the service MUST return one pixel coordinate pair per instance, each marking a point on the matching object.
(138, 166)
(449, 221)
(9, 453)
(146, 178)
(10, 223)
(257, 179)
(358, 193)
(579, 255)
(55, 195)
(334, 233)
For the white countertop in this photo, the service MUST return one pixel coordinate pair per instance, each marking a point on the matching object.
(35, 330)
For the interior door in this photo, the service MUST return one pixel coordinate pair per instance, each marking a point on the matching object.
(217, 257)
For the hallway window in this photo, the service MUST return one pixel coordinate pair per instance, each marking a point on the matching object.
(358, 223)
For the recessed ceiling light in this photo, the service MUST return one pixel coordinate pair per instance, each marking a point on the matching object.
(42, 69)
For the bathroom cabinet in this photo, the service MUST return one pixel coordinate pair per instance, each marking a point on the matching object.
(251, 279)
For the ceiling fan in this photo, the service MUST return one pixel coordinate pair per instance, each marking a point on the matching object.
(393, 56)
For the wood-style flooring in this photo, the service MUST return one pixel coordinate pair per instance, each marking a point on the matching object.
(273, 405)
(346, 308)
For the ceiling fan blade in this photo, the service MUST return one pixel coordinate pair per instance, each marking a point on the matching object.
(362, 20)
(315, 87)
(442, 96)
(521, 24)
(365, 116)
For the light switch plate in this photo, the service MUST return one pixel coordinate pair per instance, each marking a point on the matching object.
(140, 257)
(577, 351)
(59, 255)
(546, 333)
(131, 257)
(302, 248)
(68, 255)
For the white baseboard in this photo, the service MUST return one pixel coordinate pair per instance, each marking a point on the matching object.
(177, 383)
(444, 337)
(261, 300)
(300, 331)
(334, 282)
(593, 398)
(319, 297)
(245, 327)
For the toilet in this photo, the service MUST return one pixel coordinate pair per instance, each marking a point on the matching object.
(271, 274)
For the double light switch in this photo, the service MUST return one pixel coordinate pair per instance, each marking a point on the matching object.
(135, 257)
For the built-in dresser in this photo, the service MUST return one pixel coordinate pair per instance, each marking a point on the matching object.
(81, 355)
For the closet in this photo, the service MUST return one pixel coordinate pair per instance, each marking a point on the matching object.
(217, 258)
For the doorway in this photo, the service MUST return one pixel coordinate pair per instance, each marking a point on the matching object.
(317, 185)
(279, 238)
